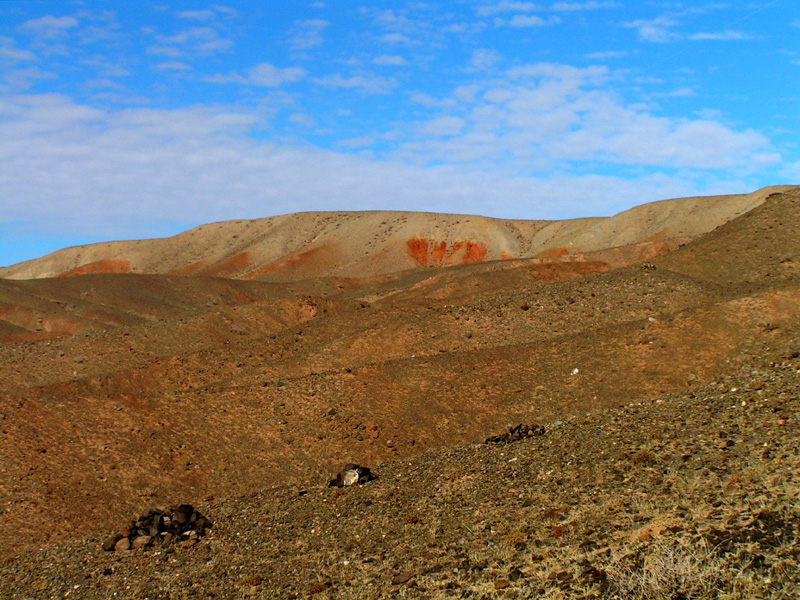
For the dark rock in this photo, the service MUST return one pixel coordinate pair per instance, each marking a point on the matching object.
(159, 526)
(516, 433)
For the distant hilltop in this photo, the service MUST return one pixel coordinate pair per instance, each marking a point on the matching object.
(371, 243)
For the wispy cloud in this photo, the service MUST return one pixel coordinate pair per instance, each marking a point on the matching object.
(523, 7)
(521, 21)
(19, 80)
(196, 15)
(308, 33)
(720, 35)
(389, 60)
(483, 59)
(49, 26)
(172, 66)
(191, 42)
(267, 75)
(262, 75)
(603, 55)
(9, 53)
(547, 116)
(369, 83)
(658, 30)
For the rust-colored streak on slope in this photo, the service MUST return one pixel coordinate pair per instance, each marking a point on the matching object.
(561, 271)
(39, 325)
(505, 256)
(233, 265)
(418, 250)
(108, 265)
(189, 269)
(440, 253)
(551, 252)
(475, 253)
(296, 261)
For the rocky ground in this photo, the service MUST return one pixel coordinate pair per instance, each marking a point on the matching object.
(691, 495)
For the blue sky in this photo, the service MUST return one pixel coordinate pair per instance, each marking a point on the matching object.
(142, 119)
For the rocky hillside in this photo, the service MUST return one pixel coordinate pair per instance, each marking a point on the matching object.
(667, 389)
(365, 244)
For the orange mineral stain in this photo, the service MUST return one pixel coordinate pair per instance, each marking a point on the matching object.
(108, 265)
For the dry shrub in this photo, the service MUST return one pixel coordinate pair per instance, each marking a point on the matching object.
(667, 572)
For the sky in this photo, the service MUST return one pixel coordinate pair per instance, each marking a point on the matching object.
(142, 119)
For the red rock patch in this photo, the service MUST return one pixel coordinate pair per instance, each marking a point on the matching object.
(436, 254)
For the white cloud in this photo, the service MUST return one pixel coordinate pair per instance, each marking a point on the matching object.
(196, 15)
(522, 21)
(603, 55)
(308, 33)
(9, 53)
(483, 59)
(172, 66)
(192, 41)
(547, 116)
(228, 11)
(522, 7)
(49, 26)
(721, 36)
(444, 126)
(368, 83)
(506, 6)
(396, 38)
(301, 119)
(356, 143)
(658, 30)
(424, 99)
(123, 173)
(268, 75)
(577, 6)
(389, 60)
(19, 80)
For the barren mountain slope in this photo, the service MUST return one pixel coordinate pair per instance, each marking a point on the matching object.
(364, 244)
(199, 387)
(690, 495)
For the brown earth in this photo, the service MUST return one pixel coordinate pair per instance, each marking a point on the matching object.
(157, 389)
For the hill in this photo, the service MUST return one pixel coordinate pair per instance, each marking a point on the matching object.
(364, 244)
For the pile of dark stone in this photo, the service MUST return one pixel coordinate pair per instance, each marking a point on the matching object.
(161, 527)
(352, 475)
(516, 433)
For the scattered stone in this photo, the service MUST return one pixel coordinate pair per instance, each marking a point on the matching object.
(352, 475)
(159, 526)
(402, 578)
(516, 433)
(111, 541)
(501, 584)
(122, 545)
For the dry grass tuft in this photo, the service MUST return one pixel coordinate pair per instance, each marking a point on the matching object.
(667, 572)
